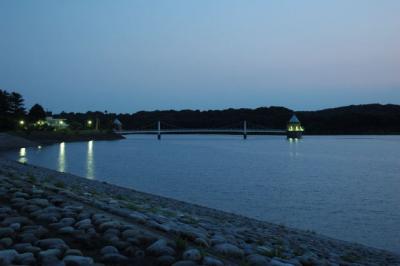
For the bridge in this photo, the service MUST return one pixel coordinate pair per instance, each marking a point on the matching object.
(244, 130)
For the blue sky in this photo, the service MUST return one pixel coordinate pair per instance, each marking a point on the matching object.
(125, 56)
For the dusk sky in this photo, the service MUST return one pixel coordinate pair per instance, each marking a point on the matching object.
(126, 56)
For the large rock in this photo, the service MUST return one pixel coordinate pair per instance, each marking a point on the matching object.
(66, 230)
(19, 219)
(184, 263)
(114, 258)
(7, 256)
(26, 259)
(210, 261)
(258, 260)
(165, 260)
(229, 250)
(192, 254)
(276, 262)
(6, 232)
(50, 243)
(109, 250)
(40, 202)
(160, 248)
(72, 260)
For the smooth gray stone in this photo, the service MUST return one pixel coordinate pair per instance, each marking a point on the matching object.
(258, 260)
(192, 254)
(50, 243)
(275, 262)
(26, 259)
(7, 256)
(19, 219)
(75, 252)
(210, 261)
(15, 226)
(228, 250)
(40, 202)
(72, 260)
(22, 247)
(185, 263)
(6, 242)
(160, 248)
(109, 250)
(66, 230)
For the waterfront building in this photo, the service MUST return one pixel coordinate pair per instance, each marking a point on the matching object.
(117, 124)
(294, 129)
(56, 123)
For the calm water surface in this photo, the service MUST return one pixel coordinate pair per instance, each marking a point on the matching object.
(344, 187)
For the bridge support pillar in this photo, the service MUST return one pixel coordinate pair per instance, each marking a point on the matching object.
(158, 130)
(244, 129)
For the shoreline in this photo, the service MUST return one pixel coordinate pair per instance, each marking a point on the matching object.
(222, 236)
(17, 140)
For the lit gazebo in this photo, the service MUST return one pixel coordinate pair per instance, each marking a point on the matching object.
(117, 124)
(294, 129)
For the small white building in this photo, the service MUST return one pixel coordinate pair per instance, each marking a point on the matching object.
(57, 123)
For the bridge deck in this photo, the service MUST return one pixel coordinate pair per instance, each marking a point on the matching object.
(207, 131)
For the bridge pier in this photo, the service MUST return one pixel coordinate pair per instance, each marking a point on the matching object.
(244, 129)
(158, 130)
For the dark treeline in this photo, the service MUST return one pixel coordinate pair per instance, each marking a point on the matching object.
(355, 119)
(11, 109)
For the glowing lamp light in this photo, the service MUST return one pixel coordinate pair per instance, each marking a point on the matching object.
(89, 122)
(22, 122)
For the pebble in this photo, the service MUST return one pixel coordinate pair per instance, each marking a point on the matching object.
(165, 260)
(160, 248)
(6, 232)
(109, 250)
(26, 259)
(184, 263)
(229, 250)
(258, 260)
(66, 230)
(6, 242)
(72, 260)
(51, 243)
(192, 254)
(210, 261)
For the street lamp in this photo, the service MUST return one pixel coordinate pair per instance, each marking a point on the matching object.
(21, 122)
(89, 122)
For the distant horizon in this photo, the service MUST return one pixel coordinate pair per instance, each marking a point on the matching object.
(226, 108)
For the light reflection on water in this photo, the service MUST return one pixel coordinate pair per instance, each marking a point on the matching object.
(344, 187)
(62, 164)
(22, 155)
(90, 161)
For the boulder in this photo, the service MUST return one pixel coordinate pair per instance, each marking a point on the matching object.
(160, 248)
(229, 250)
(72, 260)
(7, 256)
(192, 254)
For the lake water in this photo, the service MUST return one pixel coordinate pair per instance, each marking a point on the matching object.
(347, 187)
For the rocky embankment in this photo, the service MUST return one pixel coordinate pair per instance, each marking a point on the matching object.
(51, 218)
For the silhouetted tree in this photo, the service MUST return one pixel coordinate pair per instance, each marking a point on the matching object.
(16, 104)
(4, 102)
(36, 113)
